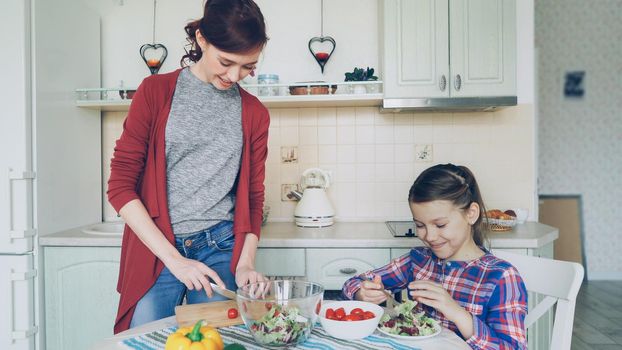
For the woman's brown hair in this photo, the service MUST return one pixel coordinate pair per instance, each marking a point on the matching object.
(235, 26)
(453, 183)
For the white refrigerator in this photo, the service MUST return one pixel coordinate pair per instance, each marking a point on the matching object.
(50, 162)
(17, 233)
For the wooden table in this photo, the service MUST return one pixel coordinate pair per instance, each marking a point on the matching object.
(446, 340)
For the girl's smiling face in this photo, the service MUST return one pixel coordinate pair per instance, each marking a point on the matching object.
(446, 229)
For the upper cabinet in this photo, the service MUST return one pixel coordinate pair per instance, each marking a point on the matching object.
(449, 48)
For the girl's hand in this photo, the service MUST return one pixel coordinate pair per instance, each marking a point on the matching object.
(371, 291)
(194, 274)
(434, 295)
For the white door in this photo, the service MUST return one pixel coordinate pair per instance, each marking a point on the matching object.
(483, 48)
(416, 48)
(17, 326)
(15, 134)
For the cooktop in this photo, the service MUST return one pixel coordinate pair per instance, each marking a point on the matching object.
(402, 228)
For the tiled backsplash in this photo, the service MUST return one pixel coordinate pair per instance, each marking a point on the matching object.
(374, 157)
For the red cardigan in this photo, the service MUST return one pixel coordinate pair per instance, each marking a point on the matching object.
(138, 171)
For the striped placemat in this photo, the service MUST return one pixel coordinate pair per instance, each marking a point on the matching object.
(239, 334)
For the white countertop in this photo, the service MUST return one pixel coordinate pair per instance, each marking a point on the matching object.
(340, 235)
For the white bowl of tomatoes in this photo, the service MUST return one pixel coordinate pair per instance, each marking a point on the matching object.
(350, 319)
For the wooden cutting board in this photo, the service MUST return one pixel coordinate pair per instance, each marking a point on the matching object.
(214, 314)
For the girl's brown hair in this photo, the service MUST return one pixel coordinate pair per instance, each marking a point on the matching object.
(235, 26)
(453, 183)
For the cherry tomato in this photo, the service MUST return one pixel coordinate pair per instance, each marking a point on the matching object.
(356, 311)
(268, 306)
(351, 318)
(232, 313)
(340, 313)
(368, 315)
(330, 313)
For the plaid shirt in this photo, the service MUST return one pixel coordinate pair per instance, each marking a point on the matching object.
(489, 288)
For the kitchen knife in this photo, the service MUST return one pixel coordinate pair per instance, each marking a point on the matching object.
(224, 292)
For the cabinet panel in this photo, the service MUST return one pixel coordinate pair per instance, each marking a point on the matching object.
(80, 295)
(332, 267)
(416, 48)
(280, 262)
(397, 252)
(483, 48)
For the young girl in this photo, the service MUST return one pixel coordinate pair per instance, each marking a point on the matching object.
(453, 277)
(187, 172)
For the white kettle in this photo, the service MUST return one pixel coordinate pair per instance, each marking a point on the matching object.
(314, 208)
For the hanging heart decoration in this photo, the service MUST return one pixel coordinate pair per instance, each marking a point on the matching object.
(322, 47)
(153, 55)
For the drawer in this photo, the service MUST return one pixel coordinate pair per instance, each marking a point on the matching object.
(280, 261)
(332, 267)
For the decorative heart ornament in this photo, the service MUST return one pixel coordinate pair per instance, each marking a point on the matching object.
(322, 47)
(153, 55)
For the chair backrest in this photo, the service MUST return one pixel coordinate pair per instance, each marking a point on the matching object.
(559, 281)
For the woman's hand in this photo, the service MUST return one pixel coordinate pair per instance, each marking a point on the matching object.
(245, 274)
(434, 295)
(372, 291)
(194, 274)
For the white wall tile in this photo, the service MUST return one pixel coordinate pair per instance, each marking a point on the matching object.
(365, 135)
(288, 117)
(365, 172)
(327, 135)
(384, 173)
(385, 154)
(308, 154)
(346, 154)
(346, 173)
(289, 135)
(405, 154)
(404, 134)
(365, 153)
(346, 135)
(327, 116)
(384, 134)
(346, 116)
(307, 117)
(327, 153)
(365, 115)
(308, 135)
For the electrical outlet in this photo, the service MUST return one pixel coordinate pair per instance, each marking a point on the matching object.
(286, 189)
(423, 153)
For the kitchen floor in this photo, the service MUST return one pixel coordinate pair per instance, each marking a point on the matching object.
(598, 316)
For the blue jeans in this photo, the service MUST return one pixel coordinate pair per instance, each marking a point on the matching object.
(213, 247)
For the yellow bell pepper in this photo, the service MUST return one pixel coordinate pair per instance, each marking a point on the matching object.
(196, 338)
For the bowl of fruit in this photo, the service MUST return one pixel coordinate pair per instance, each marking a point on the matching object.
(350, 319)
(280, 313)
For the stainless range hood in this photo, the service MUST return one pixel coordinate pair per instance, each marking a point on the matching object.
(454, 104)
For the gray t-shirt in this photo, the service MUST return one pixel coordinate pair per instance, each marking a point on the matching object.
(203, 151)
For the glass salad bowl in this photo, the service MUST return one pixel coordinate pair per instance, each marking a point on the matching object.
(280, 313)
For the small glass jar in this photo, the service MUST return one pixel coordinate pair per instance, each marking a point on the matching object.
(268, 79)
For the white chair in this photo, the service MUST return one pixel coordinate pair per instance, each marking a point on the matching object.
(559, 281)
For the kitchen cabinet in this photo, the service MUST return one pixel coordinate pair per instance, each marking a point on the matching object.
(446, 49)
(332, 267)
(281, 262)
(80, 295)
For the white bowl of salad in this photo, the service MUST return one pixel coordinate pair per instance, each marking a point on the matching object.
(350, 319)
(280, 313)
(403, 321)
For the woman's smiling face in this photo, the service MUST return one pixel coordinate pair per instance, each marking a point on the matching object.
(223, 69)
(445, 228)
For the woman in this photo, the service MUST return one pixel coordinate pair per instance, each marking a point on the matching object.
(187, 172)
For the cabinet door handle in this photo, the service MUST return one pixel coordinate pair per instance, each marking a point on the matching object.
(348, 271)
(458, 82)
(442, 83)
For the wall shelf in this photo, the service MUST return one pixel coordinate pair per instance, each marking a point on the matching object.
(271, 95)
